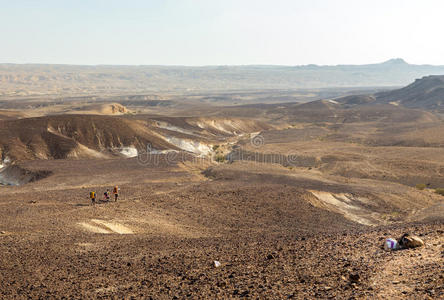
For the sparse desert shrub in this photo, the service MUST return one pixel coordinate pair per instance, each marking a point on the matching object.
(421, 186)
(215, 147)
(440, 191)
(220, 158)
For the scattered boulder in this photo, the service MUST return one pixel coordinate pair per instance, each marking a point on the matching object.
(354, 277)
(216, 264)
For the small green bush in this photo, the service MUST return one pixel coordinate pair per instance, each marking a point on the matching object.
(220, 158)
(421, 186)
(215, 147)
(440, 191)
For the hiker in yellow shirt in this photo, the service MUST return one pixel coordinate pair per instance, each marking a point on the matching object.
(92, 195)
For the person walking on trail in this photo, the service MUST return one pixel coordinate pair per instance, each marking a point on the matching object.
(107, 195)
(116, 193)
(92, 195)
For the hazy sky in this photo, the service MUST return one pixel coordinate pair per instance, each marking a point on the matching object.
(221, 32)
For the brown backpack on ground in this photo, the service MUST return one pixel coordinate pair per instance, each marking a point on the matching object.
(408, 241)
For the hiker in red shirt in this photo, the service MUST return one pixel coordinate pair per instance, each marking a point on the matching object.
(116, 193)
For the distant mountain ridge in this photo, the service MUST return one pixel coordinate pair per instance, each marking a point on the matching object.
(35, 79)
(395, 61)
(426, 93)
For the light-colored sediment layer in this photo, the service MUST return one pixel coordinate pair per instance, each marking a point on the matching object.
(94, 228)
(114, 227)
(342, 203)
(104, 227)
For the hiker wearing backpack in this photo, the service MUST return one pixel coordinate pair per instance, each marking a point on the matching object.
(116, 193)
(92, 195)
(106, 195)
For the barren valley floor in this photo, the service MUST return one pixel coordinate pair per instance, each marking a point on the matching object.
(293, 199)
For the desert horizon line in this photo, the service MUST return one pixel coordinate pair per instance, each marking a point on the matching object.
(397, 60)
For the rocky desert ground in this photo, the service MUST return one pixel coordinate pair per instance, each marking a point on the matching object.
(284, 197)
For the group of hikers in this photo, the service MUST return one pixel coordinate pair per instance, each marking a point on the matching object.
(106, 195)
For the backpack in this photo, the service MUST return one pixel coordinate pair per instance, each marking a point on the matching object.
(92, 195)
(408, 241)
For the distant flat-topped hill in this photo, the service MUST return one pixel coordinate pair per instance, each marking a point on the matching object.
(35, 79)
